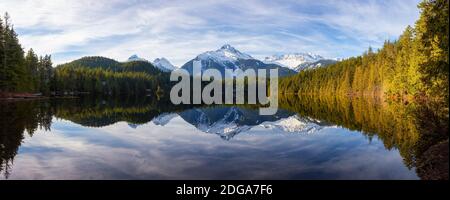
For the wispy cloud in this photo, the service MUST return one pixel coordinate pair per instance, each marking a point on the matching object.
(179, 30)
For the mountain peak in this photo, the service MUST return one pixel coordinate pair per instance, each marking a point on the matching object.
(292, 60)
(228, 52)
(161, 59)
(232, 53)
(163, 64)
(228, 57)
(135, 57)
(227, 46)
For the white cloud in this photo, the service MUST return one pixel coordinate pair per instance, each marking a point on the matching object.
(179, 30)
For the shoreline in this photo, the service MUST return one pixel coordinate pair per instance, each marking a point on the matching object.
(36, 99)
(24, 96)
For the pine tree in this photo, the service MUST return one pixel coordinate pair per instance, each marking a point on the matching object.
(415, 65)
(2, 53)
(13, 58)
(17, 72)
(432, 36)
(45, 74)
(32, 71)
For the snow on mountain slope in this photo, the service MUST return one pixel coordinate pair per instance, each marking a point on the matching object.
(227, 125)
(293, 124)
(164, 118)
(314, 65)
(291, 61)
(133, 126)
(136, 58)
(163, 64)
(225, 53)
(225, 56)
(227, 122)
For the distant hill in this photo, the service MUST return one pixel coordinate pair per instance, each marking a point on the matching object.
(100, 75)
(94, 62)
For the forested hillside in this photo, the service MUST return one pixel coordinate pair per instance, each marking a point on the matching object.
(416, 65)
(101, 75)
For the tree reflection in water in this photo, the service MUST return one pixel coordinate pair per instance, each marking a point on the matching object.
(418, 130)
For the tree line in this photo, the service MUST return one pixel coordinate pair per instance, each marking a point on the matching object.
(419, 130)
(99, 75)
(19, 72)
(30, 73)
(416, 65)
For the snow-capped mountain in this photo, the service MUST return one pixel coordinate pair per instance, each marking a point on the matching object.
(228, 57)
(164, 119)
(163, 64)
(136, 58)
(299, 61)
(225, 54)
(133, 126)
(227, 122)
(314, 65)
(294, 124)
(293, 60)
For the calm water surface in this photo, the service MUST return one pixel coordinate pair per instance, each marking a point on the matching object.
(151, 139)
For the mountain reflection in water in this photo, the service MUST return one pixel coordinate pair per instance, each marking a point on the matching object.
(145, 138)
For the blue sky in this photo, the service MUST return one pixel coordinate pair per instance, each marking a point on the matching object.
(181, 29)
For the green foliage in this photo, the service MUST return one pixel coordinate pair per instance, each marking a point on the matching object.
(45, 74)
(412, 128)
(12, 58)
(394, 123)
(415, 65)
(96, 62)
(95, 75)
(32, 70)
(19, 73)
(432, 45)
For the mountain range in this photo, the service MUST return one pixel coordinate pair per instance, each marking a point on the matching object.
(315, 64)
(136, 58)
(299, 61)
(227, 122)
(135, 64)
(226, 57)
(161, 63)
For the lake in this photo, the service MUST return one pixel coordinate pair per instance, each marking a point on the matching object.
(149, 138)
